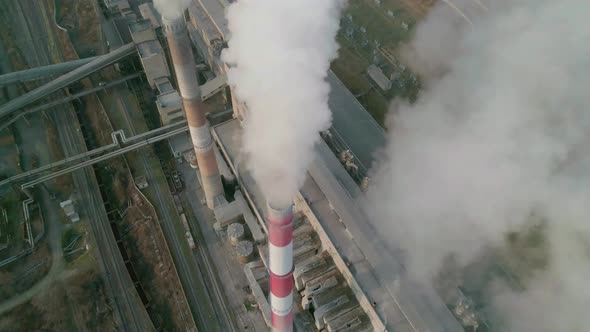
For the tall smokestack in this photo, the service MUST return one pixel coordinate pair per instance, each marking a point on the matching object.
(280, 227)
(186, 77)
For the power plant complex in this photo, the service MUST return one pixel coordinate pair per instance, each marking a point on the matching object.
(243, 261)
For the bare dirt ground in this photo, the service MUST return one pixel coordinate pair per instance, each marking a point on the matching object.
(80, 19)
(64, 307)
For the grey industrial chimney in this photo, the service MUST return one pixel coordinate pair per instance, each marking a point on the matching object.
(186, 77)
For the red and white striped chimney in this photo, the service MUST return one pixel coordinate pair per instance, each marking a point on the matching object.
(280, 227)
(194, 109)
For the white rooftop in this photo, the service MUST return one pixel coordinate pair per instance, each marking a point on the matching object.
(169, 99)
(148, 12)
(149, 48)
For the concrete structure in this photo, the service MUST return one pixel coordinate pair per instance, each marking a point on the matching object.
(280, 252)
(153, 60)
(376, 74)
(369, 266)
(148, 12)
(378, 271)
(170, 107)
(163, 85)
(320, 282)
(117, 6)
(121, 25)
(244, 251)
(215, 10)
(186, 76)
(235, 233)
(213, 86)
(206, 35)
(141, 31)
(180, 144)
(353, 123)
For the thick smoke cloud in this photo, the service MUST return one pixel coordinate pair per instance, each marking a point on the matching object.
(280, 52)
(500, 131)
(171, 9)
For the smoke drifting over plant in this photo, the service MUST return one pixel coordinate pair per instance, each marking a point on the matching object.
(280, 52)
(499, 132)
(171, 9)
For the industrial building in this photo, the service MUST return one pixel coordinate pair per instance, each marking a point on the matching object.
(377, 75)
(153, 60)
(206, 36)
(170, 107)
(148, 12)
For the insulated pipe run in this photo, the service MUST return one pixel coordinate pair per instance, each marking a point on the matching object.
(280, 228)
(194, 109)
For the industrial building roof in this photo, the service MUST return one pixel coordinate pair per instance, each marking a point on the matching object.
(163, 84)
(149, 48)
(216, 11)
(122, 26)
(180, 143)
(139, 25)
(213, 86)
(377, 75)
(204, 22)
(141, 31)
(118, 4)
(169, 99)
(353, 123)
(148, 12)
(350, 119)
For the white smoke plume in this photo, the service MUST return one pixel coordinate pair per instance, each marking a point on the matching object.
(171, 9)
(500, 130)
(279, 53)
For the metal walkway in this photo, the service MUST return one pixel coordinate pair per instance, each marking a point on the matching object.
(121, 144)
(19, 115)
(64, 80)
(42, 72)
